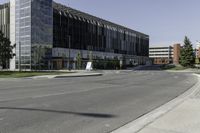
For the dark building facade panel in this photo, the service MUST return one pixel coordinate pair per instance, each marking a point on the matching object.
(41, 33)
(88, 32)
(5, 24)
(5, 19)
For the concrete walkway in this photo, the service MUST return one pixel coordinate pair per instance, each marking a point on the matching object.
(189, 70)
(181, 115)
(185, 118)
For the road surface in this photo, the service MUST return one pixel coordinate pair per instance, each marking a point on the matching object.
(86, 104)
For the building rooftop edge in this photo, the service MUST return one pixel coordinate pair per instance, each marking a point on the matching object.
(160, 46)
(56, 4)
(61, 6)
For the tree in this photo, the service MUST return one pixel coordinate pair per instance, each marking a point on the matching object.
(187, 58)
(79, 60)
(6, 51)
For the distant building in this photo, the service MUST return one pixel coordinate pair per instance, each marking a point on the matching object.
(165, 55)
(161, 55)
(197, 49)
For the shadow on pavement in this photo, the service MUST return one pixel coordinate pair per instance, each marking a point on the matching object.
(95, 115)
(148, 68)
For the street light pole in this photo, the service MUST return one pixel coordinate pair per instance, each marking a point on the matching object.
(69, 52)
(19, 63)
(69, 42)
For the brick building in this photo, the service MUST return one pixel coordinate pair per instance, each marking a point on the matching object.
(165, 55)
(197, 49)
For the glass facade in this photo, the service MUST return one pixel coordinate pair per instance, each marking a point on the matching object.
(91, 33)
(41, 33)
(23, 33)
(33, 33)
(5, 19)
(5, 25)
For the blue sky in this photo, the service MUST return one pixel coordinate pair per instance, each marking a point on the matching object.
(166, 21)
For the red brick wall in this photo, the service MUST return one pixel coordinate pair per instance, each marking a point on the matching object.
(177, 52)
(161, 61)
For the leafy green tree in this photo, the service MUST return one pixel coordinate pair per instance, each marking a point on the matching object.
(187, 58)
(79, 60)
(6, 51)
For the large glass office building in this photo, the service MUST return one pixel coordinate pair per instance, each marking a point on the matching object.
(32, 32)
(48, 35)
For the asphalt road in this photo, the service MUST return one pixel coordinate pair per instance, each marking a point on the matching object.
(87, 104)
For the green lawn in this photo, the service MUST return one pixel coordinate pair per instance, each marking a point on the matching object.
(12, 74)
(171, 67)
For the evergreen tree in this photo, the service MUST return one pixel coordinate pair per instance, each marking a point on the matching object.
(187, 58)
(6, 52)
(79, 60)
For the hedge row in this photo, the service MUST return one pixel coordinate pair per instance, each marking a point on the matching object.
(106, 64)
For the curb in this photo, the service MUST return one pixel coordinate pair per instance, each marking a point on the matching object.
(87, 75)
(68, 76)
(6, 79)
(140, 123)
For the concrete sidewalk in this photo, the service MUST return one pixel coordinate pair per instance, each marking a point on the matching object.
(181, 115)
(184, 118)
(68, 75)
(189, 70)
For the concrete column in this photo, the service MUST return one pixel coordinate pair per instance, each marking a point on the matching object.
(12, 32)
